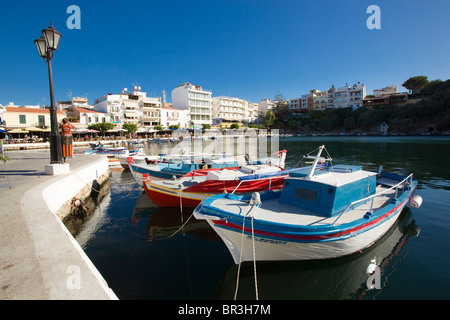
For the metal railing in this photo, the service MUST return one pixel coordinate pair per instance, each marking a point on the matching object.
(410, 177)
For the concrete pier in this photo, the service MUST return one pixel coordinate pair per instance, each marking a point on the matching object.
(39, 258)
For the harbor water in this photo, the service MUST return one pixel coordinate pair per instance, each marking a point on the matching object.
(143, 254)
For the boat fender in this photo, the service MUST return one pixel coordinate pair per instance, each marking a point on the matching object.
(416, 201)
(256, 199)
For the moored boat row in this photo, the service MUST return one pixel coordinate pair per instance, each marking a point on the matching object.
(266, 212)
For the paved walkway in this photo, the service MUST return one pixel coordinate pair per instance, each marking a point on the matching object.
(38, 258)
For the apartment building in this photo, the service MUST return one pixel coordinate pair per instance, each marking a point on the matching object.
(134, 107)
(73, 102)
(191, 97)
(341, 97)
(229, 110)
(251, 115)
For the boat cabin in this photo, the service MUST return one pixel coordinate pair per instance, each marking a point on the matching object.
(329, 190)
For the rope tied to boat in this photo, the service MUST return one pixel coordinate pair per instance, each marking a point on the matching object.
(254, 203)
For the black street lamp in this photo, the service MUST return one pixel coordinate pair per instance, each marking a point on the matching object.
(46, 45)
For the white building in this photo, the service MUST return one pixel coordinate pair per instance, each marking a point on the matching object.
(353, 96)
(172, 116)
(392, 89)
(229, 110)
(87, 116)
(251, 115)
(193, 98)
(133, 107)
(295, 104)
(73, 102)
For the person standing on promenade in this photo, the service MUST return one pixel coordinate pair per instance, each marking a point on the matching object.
(66, 139)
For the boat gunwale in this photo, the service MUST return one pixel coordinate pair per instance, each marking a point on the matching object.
(234, 220)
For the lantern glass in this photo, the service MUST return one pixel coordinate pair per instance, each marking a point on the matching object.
(41, 46)
(52, 37)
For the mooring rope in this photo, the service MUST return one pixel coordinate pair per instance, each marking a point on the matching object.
(240, 258)
(254, 254)
(254, 260)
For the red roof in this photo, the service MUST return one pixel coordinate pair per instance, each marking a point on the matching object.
(81, 109)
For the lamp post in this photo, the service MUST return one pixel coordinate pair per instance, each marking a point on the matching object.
(46, 45)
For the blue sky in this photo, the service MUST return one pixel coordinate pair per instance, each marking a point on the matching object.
(251, 49)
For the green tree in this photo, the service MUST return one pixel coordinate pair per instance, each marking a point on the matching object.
(269, 118)
(130, 127)
(157, 128)
(206, 126)
(234, 126)
(415, 83)
(102, 126)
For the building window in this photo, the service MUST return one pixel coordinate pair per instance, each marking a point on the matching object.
(22, 119)
(41, 120)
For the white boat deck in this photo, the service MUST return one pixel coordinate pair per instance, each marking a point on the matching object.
(272, 210)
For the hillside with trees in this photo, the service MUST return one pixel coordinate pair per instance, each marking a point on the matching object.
(431, 114)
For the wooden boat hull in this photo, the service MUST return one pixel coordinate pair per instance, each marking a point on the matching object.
(164, 196)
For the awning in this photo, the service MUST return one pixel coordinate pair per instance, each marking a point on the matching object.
(35, 129)
(18, 131)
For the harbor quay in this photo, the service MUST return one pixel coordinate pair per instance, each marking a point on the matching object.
(39, 258)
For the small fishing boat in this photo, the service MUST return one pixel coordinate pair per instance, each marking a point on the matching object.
(114, 152)
(326, 212)
(177, 168)
(197, 185)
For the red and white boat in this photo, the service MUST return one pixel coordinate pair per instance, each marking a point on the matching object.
(192, 188)
(197, 185)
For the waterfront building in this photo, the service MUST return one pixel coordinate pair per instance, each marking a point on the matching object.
(342, 97)
(134, 107)
(172, 116)
(319, 99)
(251, 114)
(347, 96)
(83, 117)
(73, 102)
(198, 101)
(23, 117)
(229, 110)
(392, 89)
(295, 104)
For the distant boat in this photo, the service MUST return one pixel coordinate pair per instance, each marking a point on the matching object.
(197, 185)
(324, 213)
(114, 152)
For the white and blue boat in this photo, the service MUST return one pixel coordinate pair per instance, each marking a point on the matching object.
(177, 167)
(325, 212)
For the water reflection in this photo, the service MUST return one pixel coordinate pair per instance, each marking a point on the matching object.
(164, 223)
(343, 278)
